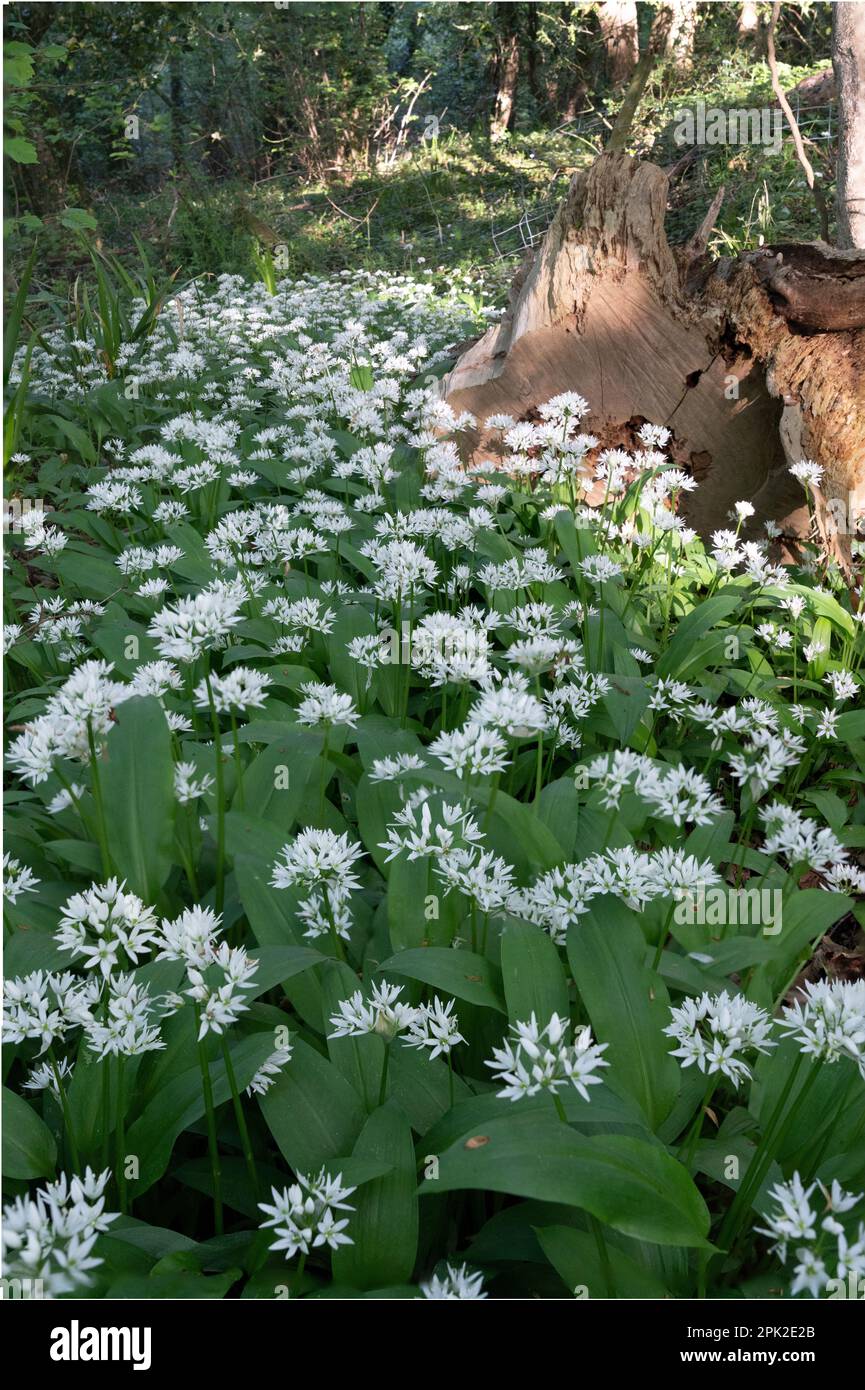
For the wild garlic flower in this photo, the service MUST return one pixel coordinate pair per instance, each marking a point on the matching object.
(472, 751)
(390, 769)
(270, 1069)
(303, 1215)
(435, 1026)
(242, 688)
(479, 875)
(44, 1006)
(189, 784)
(822, 1243)
(714, 1030)
(315, 857)
(383, 1013)
(456, 1282)
(324, 706)
(124, 1026)
(808, 473)
(191, 937)
(828, 1022)
(536, 1059)
(17, 879)
(422, 837)
(83, 707)
(50, 1237)
(799, 840)
(106, 927)
(220, 1004)
(199, 622)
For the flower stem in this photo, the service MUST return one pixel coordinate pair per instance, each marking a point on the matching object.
(215, 1166)
(101, 830)
(239, 1116)
(67, 1112)
(382, 1090)
(220, 798)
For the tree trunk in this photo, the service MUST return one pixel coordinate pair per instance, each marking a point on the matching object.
(679, 46)
(618, 21)
(507, 70)
(848, 60)
(748, 25)
(713, 351)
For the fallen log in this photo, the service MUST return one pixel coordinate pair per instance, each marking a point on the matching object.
(753, 362)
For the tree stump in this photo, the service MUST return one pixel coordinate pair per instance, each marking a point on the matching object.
(753, 362)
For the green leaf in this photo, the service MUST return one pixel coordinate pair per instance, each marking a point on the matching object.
(464, 974)
(19, 150)
(138, 791)
(681, 649)
(312, 1112)
(29, 1150)
(631, 1185)
(181, 1103)
(627, 1004)
(533, 974)
(574, 1256)
(384, 1226)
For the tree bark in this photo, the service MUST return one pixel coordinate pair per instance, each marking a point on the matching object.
(679, 45)
(618, 21)
(712, 350)
(748, 24)
(507, 70)
(848, 60)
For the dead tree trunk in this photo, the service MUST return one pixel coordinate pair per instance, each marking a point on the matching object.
(848, 60)
(753, 363)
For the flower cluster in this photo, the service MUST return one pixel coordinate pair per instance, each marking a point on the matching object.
(537, 1059)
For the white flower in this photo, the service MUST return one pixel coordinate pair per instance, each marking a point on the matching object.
(435, 1026)
(303, 1215)
(324, 704)
(221, 1004)
(125, 1026)
(189, 784)
(829, 1021)
(538, 1059)
(384, 1013)
(17, 878)
(104, 924)
(456, 1282)
(241, 689)
(808, 472)
(269, 1070)
(391, 769)
(50, 1236)
(318, 856)
(713, 1031)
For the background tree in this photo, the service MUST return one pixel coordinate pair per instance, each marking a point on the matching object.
(848, 60)
(618, 22)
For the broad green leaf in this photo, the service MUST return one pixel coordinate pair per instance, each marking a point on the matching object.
(29, 1150)
(533, 974)
(464, 974)
(311, 1111)
(627, 1004)
(630, 1184)
(575, 1257)
(384, 1226)
(138, 791)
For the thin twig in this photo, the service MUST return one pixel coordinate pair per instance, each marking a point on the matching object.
(816, 190)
